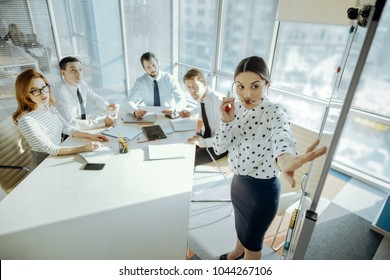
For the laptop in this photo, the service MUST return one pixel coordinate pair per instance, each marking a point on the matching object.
(147, 118)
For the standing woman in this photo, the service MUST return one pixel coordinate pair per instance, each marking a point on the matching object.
(41, 124)
(258, 138)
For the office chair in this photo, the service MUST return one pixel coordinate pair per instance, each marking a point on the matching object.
(15, 155)
(223, 174)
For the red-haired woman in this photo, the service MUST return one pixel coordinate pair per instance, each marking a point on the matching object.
(40, 123)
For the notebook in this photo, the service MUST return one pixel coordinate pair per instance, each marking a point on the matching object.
(147, 118)
(154, 132)
(122, 130)
(184, 124)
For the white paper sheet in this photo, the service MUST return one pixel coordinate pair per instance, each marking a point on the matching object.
(168, 151)
(184, 124)
(153, 109)
(122, 130)
(100, 155)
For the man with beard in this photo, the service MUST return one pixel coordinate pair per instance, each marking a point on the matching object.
(156, 88)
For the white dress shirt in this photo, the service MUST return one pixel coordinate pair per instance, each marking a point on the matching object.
(67, 103)
(171, 95)
(212, 103)
(255, 138)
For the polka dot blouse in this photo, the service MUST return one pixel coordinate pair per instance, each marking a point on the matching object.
(255, 138)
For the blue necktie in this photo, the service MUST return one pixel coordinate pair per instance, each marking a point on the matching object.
(82, 109)
(156, 94)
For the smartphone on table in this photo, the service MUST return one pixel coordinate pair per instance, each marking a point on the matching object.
(94, 166)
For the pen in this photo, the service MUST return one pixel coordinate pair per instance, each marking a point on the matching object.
(229, 106)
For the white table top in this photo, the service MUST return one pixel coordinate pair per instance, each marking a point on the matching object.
(134, 208)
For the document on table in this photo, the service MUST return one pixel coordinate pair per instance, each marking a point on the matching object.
(184, 124)
(153, 109)
(147, 118)
(122, 130)
(100, 155)
(168, 151)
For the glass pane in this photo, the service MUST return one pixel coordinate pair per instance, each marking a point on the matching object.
(304, 112)
(224, 85)
(372, 93)
(83, 28)
(365, 146)
(26, 41)
(307, 57)
(365, 142)
(148, 28)
(247, 29)
(197, 32)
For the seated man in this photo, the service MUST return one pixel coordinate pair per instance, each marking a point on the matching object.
(156, 88)
(209, 102)
(73, 95)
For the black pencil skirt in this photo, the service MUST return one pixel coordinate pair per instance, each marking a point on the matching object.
(255, 203)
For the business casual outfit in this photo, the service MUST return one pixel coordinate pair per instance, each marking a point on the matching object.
(144, 89)
(211, 116)
(254, 139)
(42, 129)
(70, 104)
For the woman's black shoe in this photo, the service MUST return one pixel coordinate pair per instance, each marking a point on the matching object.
(224, 257)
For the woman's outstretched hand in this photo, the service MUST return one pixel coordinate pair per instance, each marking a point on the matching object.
(289, 163)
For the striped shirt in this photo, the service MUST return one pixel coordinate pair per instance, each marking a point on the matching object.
(42, 129)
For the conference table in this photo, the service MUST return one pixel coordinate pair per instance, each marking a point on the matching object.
(134, 208)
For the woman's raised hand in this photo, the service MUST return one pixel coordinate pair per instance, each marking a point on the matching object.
(227, 109)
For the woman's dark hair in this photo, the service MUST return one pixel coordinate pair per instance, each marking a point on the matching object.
(253, 64)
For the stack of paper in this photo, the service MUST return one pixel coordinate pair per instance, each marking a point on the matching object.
(184, 124)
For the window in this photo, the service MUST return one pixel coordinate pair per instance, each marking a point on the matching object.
(92, 33)
(365, 146)
(365, 142)
(247, 29)
(35, 49)
(197, 49)
(307, 57)
(148, 28)
(304, 77)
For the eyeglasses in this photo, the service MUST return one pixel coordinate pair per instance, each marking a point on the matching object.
(38, 92)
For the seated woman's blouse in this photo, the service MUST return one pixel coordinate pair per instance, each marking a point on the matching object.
(42, 129)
